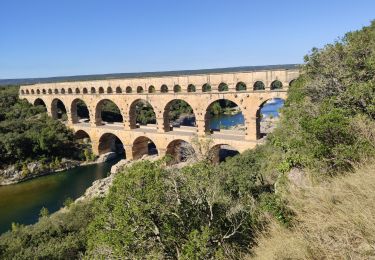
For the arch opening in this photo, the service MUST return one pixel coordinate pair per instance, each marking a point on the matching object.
(50, 91)
(276, 85)
(241, 86)
(180, 151)
(164, 89)
(206, 88)
(44, 91)
(58, 110)
(221, 152)
(38, 91)
(62, 91)
(178, 114)
(129, 90)
(70, 91)
(32, 92)
(143, 146)
(84, 91)
(80, 112)
(141, 114)
(267, 116)
(118, 90)
(292, 82)
(224, 114)
(56, 91)
(84, 141)
(101, 90)
(191, 88)
(78, 91)
(259, 85)
(139, 89)
(151, 89)
(223, 87)
(41, 103)
(93, 90)
(176, 88)
(109, 90)
(109, 142)
(107, 112)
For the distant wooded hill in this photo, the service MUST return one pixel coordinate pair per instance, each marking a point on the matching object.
(27, 81)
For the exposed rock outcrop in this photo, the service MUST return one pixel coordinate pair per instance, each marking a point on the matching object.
(106, 157)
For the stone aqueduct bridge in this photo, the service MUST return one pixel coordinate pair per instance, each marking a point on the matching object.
(198, 89)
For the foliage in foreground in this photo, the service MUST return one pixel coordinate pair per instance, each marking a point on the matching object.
(199, 211)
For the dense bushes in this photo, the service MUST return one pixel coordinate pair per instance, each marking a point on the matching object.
(27, 133)
(198, 211)
(328, 119)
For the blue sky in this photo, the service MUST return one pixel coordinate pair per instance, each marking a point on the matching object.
(73, 37)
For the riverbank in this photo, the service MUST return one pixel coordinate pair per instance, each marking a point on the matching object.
(16, 174)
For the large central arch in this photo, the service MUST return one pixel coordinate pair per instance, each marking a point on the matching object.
(58, 110)
(141, 112)
(107, 112)
(267, 116)
(79, 111)
(180, 151)
(109, 142)
(178, 112)
(40, 102)
(220, 152)
(224, 114)
(143, 146)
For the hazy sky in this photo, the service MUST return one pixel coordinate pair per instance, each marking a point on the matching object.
(71, 37)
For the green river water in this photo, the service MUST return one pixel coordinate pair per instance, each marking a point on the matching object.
(21, 203)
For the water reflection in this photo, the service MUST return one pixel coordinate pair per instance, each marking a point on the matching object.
(21, 203)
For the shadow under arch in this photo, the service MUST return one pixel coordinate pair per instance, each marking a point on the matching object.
(79, 111)
(220, 152)
(58, 110)
(107, 112)
(143, 146)
(109, 142)
(180, 151)
(276, 85)
(224, 114)
(177, 113)
(267, 116)
(40, 102)
(141, 112)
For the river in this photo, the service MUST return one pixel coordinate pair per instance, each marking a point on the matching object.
(22, 202)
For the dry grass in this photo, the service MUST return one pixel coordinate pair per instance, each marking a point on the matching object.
(335, 220)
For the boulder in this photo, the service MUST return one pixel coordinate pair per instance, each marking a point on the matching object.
(118, 166)
(106, 157)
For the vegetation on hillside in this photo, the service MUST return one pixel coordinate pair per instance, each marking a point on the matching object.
(27, 133)
(205, 211)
